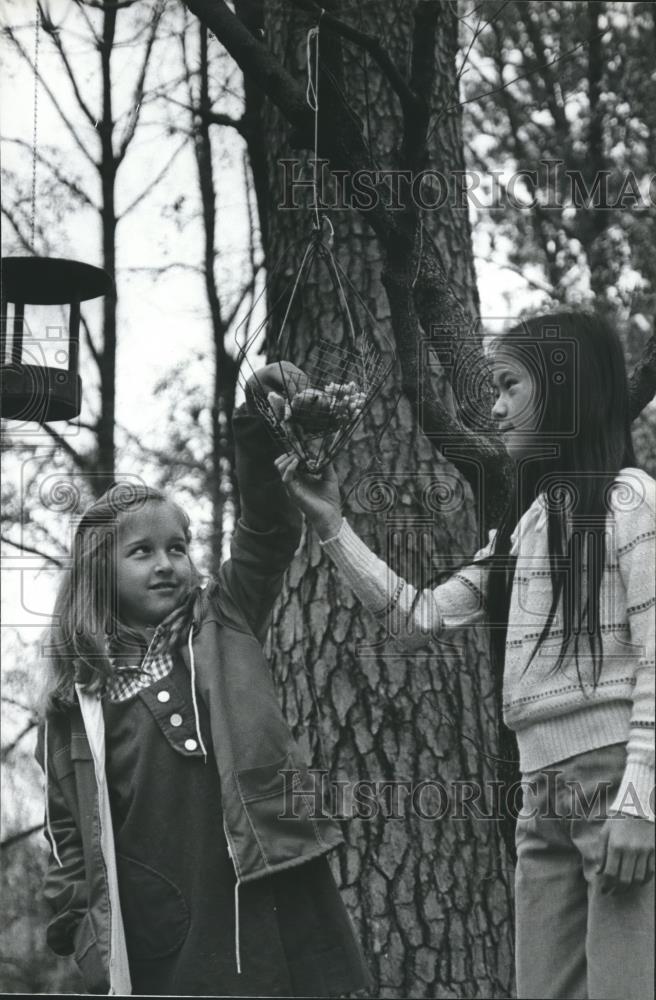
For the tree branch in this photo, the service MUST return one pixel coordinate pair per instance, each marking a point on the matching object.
(93, 350)
(80, 460)
(10, 747)
(54, 33)
(422, 78)
(470, 451)
(155, 181)
(14, 838)
(410, 102)
(69, 125)
(55, 171)
(25, 242)
(218, 118)
(246, 290)
(523, 76)
(341, 141)
(32, 550)
(139, 88)
(255, 59)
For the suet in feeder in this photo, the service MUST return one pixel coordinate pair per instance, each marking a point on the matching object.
(39, 378)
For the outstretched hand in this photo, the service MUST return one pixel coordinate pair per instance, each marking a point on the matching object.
(316, 495)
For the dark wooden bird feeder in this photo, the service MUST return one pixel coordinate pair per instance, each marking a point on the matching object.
(32, 388)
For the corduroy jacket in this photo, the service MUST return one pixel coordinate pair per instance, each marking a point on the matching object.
(270, 811)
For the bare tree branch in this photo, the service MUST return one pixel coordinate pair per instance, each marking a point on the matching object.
(32, 550)
(17, 704)
(540, 286)
(10, 747)
(105, 4)
(15, 224)
(54, 33)
(67, 182)
(139, 88)
(80, 460)
(410, 102)
(155, 181)
(523, 76)
(67, 122)
(14, 838)
(246, 290)
(218, 118)
(254, 59)
(93, 350)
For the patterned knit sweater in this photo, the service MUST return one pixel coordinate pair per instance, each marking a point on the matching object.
(554, 715)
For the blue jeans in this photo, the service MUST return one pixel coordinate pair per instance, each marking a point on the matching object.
(572, 941)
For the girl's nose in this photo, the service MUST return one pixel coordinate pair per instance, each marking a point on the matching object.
(499, 409)
(163, 563)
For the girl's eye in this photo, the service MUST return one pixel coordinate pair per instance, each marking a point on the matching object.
(139, 548)
(180, 548)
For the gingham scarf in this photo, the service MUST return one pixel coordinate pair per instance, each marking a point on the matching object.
(156, 661)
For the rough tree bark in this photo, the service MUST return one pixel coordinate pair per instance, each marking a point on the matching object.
(431, 898)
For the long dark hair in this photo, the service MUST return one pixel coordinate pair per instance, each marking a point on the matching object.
(577, 364)
(85, 616)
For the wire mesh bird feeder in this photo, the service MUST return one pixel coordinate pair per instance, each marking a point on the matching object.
(39, 335)
(342, 367)
(344, 364)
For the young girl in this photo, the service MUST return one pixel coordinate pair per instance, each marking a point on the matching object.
(576, 618)
(177, 865)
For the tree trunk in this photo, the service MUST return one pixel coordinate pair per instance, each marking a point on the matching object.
(430, 898)
(108, 167)
(225, 367)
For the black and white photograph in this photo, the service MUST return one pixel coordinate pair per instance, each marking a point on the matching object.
(328, 453)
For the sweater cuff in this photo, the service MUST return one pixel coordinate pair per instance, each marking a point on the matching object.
(372, 580)
(636, 792)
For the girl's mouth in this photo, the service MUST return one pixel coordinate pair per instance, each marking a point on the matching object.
(165, 587)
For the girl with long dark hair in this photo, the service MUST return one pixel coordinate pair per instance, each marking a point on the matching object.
(566, 584)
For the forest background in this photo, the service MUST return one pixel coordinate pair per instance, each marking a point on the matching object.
(158, 159)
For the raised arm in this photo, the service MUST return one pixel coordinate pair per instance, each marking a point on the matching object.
(413, 618)
(269, 530)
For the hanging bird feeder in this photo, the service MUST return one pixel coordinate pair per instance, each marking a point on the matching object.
(40, 319)
(342, 369)
(39, 334)
(345, 364)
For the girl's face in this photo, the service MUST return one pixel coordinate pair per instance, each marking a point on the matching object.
(154, 571)
(517, 405)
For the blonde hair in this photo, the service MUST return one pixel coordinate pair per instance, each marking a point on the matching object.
(86, 608)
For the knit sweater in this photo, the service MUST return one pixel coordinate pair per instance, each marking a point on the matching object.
(555, 715)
